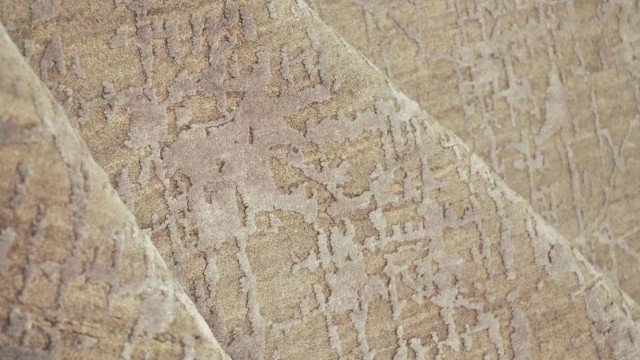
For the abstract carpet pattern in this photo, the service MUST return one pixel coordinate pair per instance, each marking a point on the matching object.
(546, 92)
(344, 179)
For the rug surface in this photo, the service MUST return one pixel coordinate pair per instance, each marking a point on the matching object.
(335, 180)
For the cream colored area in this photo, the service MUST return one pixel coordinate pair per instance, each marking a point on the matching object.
(305, 204)
(78, 278)
(546, 92)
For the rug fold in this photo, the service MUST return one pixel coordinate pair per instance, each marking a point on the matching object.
(305, 205)
(78, 278)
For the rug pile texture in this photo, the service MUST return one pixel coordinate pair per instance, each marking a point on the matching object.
(321, 179)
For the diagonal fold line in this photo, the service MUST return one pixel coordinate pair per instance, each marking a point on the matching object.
(311, 183)
(74, 266)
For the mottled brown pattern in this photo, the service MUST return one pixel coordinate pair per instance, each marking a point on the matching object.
(78, 278)
(308, 207)
(546, 92)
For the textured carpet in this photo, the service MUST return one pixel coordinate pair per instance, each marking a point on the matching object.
(282, 193)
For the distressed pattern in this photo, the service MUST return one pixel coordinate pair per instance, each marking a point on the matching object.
(78, 278)
(306, 206)
(546, 92)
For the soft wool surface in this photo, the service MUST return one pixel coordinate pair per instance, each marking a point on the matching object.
(281, 197)
(547, 93)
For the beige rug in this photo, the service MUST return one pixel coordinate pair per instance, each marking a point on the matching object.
(282, 193)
